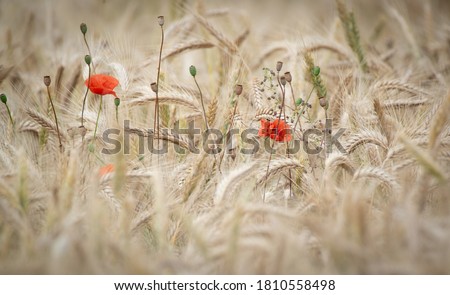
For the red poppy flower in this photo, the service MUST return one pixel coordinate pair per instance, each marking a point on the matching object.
(106, 169)
(264, 131)
(102, 84)
(280, 131)
(277, 130)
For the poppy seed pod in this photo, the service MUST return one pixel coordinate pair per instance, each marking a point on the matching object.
(82, 130)
(47, 80)
(117, 101)
(154, 87)
(323, 102)
(279, 65)
(288, 76)
(238, 89)
(283, 80)
(83, 28)
(3, 98)
(161, 20)
(88, 59)
(193, 71)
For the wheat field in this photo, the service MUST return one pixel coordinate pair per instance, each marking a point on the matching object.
(378, 70)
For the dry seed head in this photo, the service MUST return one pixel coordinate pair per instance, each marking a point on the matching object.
(238, 89)
(279, 65)
(288, 77)
(323, 102)
(161, 20)
(47, 80)
(82, 130)
(283, 80)
(154, 87)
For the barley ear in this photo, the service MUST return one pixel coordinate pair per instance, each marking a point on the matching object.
(424, 158)
(352, 33)
(212, 111)
(439, 122)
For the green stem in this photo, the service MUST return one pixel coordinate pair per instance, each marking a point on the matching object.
(267, 172)
(302, 110)
(277, 130)
(156, 122)
(98, 115)
(203, 106)
(85, 96)
(9, 113)
(292, 93)
(56, 118)
(230, 126)
(89, 51)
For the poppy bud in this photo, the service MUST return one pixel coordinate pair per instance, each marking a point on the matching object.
(238, 89)
(117, 101)
(279, 65)
(316, 71)
(298, 101)
(88, 59)
(47, 80)
(193, 71)
(288, 76)
(161, 20)
(283, 80)
(3, 98)
(323, 102)
(154, 87)
(83, 28)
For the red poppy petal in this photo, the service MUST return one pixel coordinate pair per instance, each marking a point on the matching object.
(262, 133)
(264, 130)
(106, 169)
(110, 82)
(102, 84)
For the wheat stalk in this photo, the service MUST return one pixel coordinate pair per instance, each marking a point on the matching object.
(165, 100)
(278, 166)
(400, 86)
(229, 183)
(365, 137)
(212, 111)
(387, 124)
(335, 160)
(217, 34)
(189, 46)
(424, 159)
(438, 123)
(46, 123)
(377, 173)
(176, 139)
(326, 45)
